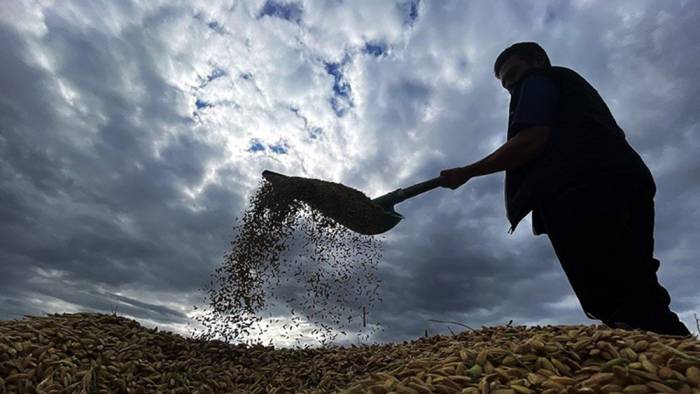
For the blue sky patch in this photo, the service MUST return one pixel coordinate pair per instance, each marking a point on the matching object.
(285, 10)
(215, 74)
(375, 48)
(341, 100)
(201, 104)
(212, 24)
(340, 106)
(315, 132)
(256, 146)
(216, 26)
(279, 148)
(409, 8)
(340, 87)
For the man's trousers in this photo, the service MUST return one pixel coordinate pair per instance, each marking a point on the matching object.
(603, 235)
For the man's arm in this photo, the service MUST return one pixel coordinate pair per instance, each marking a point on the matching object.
(525, 146)
(535, 113)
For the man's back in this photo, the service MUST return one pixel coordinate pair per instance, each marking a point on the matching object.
(585, 144)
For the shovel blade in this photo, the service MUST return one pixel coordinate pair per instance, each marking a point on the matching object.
(388, 220)
(347, 206)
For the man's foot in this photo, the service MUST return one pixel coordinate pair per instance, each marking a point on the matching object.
(666, 324)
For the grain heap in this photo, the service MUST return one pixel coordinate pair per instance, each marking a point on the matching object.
(287, 234)
(86, 353)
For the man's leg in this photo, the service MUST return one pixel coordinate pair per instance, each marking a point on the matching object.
(603, 237)
(650, 309)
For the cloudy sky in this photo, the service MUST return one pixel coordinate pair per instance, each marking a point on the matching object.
(131, 135)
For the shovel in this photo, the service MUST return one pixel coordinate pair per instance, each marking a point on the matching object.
(368, 216)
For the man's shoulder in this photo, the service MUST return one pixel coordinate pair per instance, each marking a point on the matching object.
(555, 74)
(556, 71)
(565, 78)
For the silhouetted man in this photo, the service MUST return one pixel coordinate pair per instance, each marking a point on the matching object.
(568, 162)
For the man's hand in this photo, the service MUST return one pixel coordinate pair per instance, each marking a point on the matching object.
(455, 177)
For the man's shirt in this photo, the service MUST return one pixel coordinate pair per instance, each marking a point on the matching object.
(585, 144)
(537, 103)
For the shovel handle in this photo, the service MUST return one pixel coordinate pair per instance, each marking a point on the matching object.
(388, 200)
(422, 187)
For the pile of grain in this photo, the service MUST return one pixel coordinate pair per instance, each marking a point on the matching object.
(105, 353)
(288, 250)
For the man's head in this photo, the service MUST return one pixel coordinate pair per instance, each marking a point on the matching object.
(516, 59)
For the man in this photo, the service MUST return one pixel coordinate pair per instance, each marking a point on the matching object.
(568, 162)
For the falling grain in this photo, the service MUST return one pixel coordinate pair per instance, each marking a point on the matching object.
(290, 248)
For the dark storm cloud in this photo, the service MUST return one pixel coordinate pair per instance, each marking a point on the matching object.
(98, 203)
